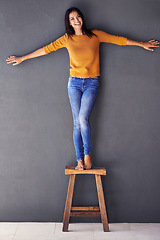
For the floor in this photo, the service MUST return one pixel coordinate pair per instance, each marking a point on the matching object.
(85, 231)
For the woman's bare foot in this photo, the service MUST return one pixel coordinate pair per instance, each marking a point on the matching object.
(87, 162)
(80, 165)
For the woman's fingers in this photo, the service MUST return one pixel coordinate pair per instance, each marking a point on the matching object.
(153, 40)
(9, 61)
(15, 64)
(151, 44)
(154, 43)
(150, 49)
(12, 59)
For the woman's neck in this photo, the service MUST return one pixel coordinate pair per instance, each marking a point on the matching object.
(78, 32)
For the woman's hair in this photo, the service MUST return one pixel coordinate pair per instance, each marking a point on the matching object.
(69, 29)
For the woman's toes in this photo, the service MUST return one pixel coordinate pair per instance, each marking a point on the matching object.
(80, 166)
(88, 167)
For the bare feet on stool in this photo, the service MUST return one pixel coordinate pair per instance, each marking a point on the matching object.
(80, 165)
(87, 162)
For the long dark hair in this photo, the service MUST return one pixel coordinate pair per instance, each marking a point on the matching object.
(69, 29)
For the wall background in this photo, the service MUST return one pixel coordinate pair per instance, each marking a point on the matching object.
(36, 121)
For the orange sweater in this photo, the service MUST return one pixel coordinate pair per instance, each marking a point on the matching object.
(84, 51)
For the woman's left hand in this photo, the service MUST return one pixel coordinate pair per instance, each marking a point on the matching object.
(150, 44)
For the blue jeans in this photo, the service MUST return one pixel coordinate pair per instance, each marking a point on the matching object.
(82, 94)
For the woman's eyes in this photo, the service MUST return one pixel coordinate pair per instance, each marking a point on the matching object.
(77, 16)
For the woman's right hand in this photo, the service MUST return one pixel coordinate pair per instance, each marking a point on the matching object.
(15, 60)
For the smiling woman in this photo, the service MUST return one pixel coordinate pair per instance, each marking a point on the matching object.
(76, 22)
(83, 48)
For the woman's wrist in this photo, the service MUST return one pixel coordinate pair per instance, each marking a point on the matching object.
(141, 44)
(22, 58)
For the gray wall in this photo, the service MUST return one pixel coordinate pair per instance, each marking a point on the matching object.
(36, 121)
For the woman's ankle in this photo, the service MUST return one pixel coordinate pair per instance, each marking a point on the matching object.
(80, 161)
(87, 161)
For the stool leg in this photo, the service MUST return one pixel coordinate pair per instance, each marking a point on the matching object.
(68, 204)
(102, 203)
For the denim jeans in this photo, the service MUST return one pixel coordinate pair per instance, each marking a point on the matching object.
(82, 94)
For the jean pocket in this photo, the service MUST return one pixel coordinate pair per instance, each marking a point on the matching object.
(94, 79)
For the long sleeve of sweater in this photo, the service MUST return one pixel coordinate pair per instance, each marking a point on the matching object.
(54, 46)
(108, 38)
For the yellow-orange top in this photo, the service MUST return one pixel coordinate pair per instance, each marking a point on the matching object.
(84, 51)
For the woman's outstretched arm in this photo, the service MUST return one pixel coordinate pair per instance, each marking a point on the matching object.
(146, 45)
(17, 60)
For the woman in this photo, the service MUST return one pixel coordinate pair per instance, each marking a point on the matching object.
(83, 47)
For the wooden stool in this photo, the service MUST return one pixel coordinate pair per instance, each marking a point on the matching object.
(88, 211)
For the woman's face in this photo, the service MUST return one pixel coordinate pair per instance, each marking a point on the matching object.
(75, 20)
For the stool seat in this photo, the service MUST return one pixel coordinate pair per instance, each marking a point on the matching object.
(88, 211)
(94, 170)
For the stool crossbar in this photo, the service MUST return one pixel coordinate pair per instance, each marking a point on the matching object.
(89, 211)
